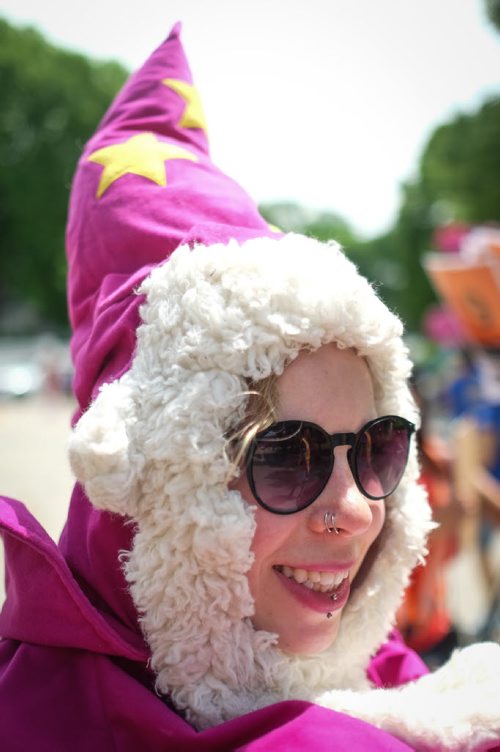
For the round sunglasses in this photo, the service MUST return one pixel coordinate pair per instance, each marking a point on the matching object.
(290, 463)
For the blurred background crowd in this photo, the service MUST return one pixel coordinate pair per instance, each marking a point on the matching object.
(437, 265)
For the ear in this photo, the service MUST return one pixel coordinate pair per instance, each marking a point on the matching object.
(102, 452)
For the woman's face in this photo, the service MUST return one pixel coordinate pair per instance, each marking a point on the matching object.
(332, 388)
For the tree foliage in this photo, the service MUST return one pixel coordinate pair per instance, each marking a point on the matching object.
(50, 101)
(493, 12)
(460, 166)
(323, 225)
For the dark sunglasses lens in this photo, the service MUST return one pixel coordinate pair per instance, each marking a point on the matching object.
(381, 456)
(290, 466)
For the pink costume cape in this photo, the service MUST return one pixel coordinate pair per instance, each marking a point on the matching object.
(74, 676)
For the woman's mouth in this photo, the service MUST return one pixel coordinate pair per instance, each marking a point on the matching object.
(322, 591)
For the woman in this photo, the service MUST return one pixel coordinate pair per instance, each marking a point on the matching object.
(246, 518)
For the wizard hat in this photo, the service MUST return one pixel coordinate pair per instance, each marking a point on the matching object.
(145, 183)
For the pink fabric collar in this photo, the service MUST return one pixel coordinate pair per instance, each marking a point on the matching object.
(45, 604)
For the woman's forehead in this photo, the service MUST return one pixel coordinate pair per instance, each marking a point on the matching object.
(326, 382)
(328, 364)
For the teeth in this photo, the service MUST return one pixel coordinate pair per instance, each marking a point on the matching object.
(318, 581)
(298, 574)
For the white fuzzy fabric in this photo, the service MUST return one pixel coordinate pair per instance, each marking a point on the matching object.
(456, 709)
(152, 447)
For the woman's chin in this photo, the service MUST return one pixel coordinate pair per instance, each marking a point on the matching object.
(309, 641)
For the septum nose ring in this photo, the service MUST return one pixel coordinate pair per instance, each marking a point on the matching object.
(329, 520)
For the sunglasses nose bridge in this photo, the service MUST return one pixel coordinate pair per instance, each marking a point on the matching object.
(342, 439)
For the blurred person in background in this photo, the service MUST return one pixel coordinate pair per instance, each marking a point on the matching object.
(424, 616)
(476, 478)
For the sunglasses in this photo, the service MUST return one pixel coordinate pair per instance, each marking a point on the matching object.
(290, 463)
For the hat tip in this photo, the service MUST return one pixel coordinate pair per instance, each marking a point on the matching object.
(176, 30)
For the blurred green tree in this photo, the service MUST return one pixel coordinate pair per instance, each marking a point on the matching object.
(493, 12)
(50, 102)
(460, 166)
(323, 225)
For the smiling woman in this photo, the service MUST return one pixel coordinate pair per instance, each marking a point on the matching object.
(299, 574)
(247, 511)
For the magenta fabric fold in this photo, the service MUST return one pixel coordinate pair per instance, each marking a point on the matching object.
(66, 617)
(85, 702)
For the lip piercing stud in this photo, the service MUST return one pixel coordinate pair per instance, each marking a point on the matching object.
(334, 597)
(329, 520)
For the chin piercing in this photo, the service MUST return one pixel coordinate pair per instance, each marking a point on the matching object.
(329, 615)
(329, 520)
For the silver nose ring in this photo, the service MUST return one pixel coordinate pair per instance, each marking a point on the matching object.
(329, 520)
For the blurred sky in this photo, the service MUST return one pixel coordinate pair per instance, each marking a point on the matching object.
(324, 102)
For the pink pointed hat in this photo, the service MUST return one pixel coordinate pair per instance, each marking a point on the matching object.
(144, 184)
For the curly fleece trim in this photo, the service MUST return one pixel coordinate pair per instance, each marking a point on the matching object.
(152, 447)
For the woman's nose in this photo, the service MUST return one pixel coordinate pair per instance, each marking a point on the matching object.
(341, 496)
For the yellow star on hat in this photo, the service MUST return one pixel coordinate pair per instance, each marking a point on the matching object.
(142, 155)
(193, 115)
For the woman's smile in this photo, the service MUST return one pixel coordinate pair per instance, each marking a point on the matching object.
(324, 595)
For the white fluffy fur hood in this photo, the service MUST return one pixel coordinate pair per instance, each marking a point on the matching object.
(152, 447)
